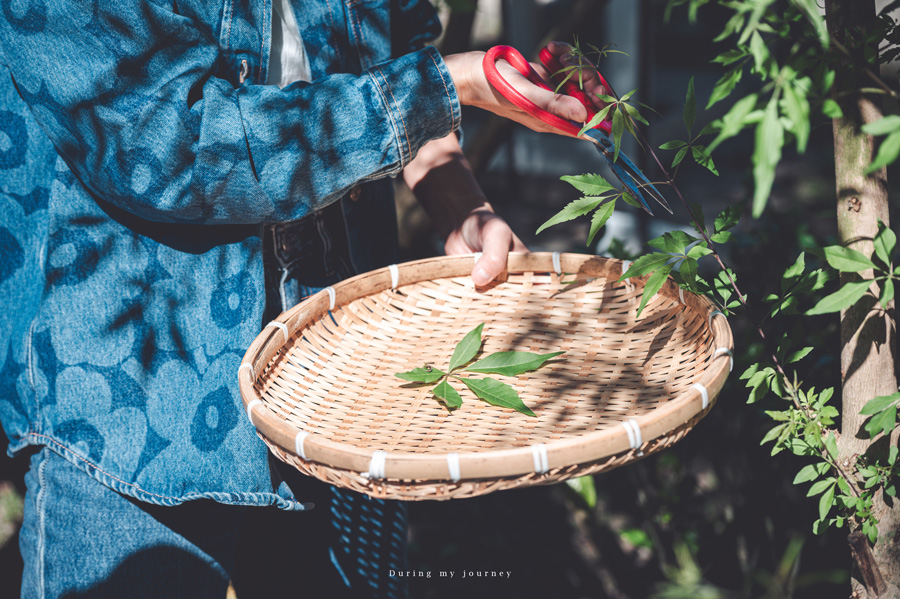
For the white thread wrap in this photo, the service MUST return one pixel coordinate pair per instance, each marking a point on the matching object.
(725, 350)
(704, 394)
(453, 467)
(247, 366)
(250, 407)
(331, 297)
(299, 440)
(634, 435)
(282, 326)
(395, 275)
(541, 458)
(713, 314)
(681, 295)
(557, 267)
(377, 465)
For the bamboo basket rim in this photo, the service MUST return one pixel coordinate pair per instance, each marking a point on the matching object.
(686, 407)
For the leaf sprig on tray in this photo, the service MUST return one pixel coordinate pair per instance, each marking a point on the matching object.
(497, 393)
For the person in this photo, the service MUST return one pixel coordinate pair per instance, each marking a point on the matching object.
(172, 175)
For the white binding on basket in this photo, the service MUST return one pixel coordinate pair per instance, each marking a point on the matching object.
(634, 435)
(250, 407)
(282, 326)
(298, 444)
(376, 465)
(453, 467)
(725, 350)
(713, 314)
(331, 297)
(395, 275)
(704, 394)
(557, 267)
(681, 296)
(626, 264)
(541, 458)
(247, 366)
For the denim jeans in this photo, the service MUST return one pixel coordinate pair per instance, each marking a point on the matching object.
(82, 539)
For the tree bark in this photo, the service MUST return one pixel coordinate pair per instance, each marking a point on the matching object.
(868, 343)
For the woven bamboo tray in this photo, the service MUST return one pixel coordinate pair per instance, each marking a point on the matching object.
(318, 383)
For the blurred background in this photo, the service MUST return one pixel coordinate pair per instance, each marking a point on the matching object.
(715, 517)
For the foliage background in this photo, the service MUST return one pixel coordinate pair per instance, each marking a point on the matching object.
(715, 516)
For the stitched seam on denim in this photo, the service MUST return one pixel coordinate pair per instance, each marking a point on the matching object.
(228, 16)
(446, 91)
(41, 527)
(267, 22)
(29, 347)
(387, 84)
(349, 9)
(390, 116)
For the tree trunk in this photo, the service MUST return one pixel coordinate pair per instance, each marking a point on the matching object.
(867, 331)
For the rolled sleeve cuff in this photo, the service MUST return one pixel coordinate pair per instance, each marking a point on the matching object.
(420, 99)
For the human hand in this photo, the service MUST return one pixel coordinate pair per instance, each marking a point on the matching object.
(486, 232)
(589, 78)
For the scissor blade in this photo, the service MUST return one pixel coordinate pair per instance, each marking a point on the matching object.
(626, 171)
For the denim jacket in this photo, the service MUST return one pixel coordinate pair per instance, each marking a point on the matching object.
(140, 159)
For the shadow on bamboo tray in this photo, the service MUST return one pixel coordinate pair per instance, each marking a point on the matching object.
(318, 383)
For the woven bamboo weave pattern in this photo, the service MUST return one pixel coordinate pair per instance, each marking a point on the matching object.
(334, 378)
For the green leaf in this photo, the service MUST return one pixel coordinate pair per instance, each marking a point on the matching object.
(819, 487)
(702, 157)
(599, 219)
(573, 210)
(672, 145)
(832, 109)
(844, 297)
(773, 433)
(421, 375)
(879, 404)
(882, 422)
(497, 394)
(636, 537)
(722, 237)
(760, 53)
(589, 184)
(887, 293)
(697, 215)
(847, 259)
(806, 474)
(883, 126)
(793, 272)
(644, 264)
(831, 446)
(585, 489)
(766, 155)
(796, 107)
(618, 128)
(635, 114)
(887, 152)
(654, 283)
(467, 348)
(596, 119)
(825, 502)
(734, 120)
(679, 156)
(448, 395)
(885, 242)
(811, 9)
(511, 363)
(699, 250)
(729, 217)
(725, 85)
(798, 355)
(729, 57)
(690, 106)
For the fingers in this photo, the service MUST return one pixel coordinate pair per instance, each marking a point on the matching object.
(590, 80)
(561, 105)
(497, 239)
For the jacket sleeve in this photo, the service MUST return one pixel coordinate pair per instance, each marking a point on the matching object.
(127, 93)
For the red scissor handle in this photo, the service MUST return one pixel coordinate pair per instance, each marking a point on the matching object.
(571, 89)
(515, 58)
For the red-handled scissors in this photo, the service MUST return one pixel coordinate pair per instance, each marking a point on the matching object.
(624, 169)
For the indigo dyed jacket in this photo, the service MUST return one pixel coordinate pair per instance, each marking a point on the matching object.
(140, 157)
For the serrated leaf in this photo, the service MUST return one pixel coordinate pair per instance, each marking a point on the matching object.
(729, 217)
(589, 184)
(421, 375)
(798, 355)
(699, 250)
(635, 114)
(654, 283)
(467, 348)
(673, 145)
(702, 158)
(511, 363)
(843, 298)
(598, 220)
(811, 9)
(722, 237)
(448, 395)
(618, 128)
(734, 120)
(807, 473)
(596, 119)
(697, 214)
(885, 242)
(679, 156)
(573, 210)
(497, 394)
(725, 85)
(847, 259)
(690, 107)
(887, 152)
(644, 264)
